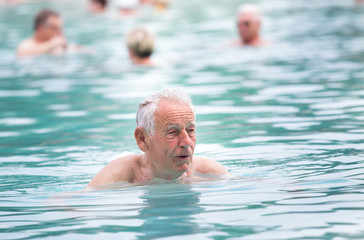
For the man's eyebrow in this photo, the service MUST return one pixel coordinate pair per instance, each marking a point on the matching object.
(176, 126)
(171, 126)
(191, 124)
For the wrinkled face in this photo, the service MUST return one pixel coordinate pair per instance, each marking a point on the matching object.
(171, 148)
(52, 28)
(248, 27)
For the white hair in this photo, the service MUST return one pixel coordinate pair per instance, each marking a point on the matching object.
(145, 116)
(127, 4)
(250, 9)
(141, 42)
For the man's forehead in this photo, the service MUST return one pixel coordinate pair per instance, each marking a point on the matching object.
(173, 107)
(246, 16)
(174, 113)
(177, 125)
(176, 119)
(54, 19)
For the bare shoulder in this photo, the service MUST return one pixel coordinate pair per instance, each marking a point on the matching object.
(264, 43)
(120, 169)
(208, 166)
(29, 48)
(25, 45)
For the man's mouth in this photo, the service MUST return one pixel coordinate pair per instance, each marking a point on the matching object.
(183, 161)
(183, 157)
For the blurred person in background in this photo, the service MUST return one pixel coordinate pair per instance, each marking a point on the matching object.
(140, 44)
(249, 20)
(161, 5)
(145, 1)
(48, 36)
(98, 6)
(13, 2)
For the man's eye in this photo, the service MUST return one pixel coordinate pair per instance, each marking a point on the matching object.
(172, 132)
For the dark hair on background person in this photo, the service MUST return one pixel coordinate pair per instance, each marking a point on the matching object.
(103, 3)
(42, 17)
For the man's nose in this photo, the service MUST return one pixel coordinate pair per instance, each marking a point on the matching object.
(185, 140)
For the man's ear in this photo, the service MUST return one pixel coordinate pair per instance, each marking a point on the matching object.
(140, 137)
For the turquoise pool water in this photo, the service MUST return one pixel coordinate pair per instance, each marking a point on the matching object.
(287, 120)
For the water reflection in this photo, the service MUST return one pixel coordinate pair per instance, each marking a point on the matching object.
(169, 211)
(291, 113)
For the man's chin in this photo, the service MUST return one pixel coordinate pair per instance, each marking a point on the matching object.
(184, 166)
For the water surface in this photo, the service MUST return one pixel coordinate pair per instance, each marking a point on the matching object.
(286, 120)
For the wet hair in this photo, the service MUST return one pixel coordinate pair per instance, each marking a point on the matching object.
(250, 9)
(42, 17)
(140, 42)
(103, 3)
(145, 116)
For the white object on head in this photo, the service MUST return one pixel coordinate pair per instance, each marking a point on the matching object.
(127, 4)
(250, 9)
(147, 108)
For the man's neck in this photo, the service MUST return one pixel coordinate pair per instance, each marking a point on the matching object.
(143, 170)
(256, 41)
(142, 61)
(157, 172)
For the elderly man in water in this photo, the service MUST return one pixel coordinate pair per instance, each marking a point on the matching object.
(165, 133)
(47, 38)
(248, 24)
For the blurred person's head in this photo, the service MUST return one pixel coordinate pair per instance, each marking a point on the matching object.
(145, 1)
(140, 43)
(248, 22)
(98, 6)
(47, 25)
(161, 4)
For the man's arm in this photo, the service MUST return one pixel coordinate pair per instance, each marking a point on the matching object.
(29, 48)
